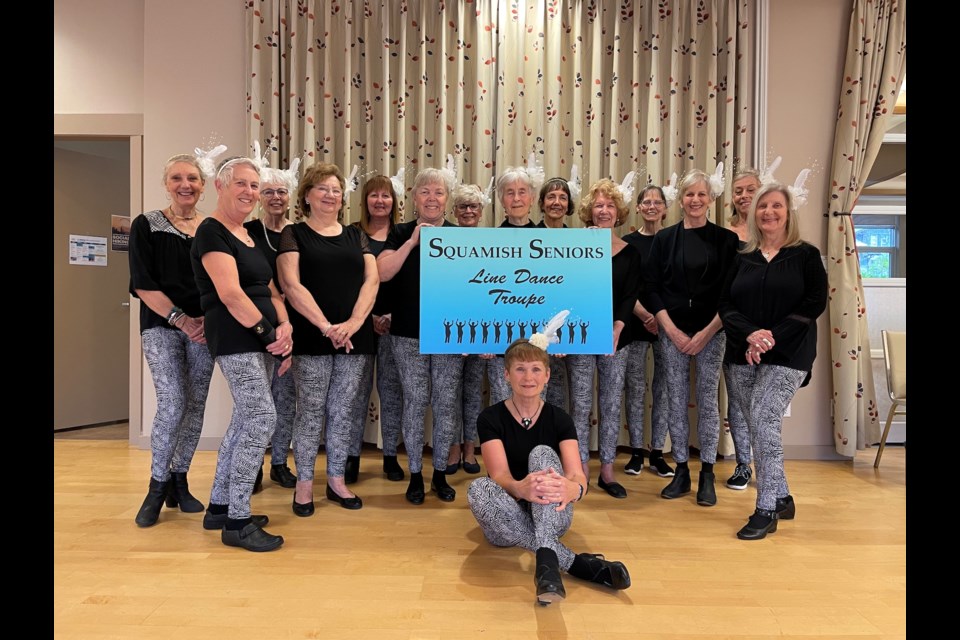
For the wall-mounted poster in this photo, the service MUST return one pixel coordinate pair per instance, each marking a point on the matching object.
(90, 251)
(119, 233)
(481, 289)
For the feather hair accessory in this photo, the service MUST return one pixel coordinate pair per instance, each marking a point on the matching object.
(262, 161)
(397, 181)
(207, 160)
(450, 171)
(717, 183)
(487, 196)
(352, 181)
(626, 187)
(535, 170)
(766, 176)
(574, 183)
(798, 190)
(670, 190)
(548, 336)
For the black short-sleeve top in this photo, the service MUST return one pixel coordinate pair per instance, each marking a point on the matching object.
(552, 427)
(383, 304)
(268, 241)
(332, 269)
(406, 283)
(225, 336)
(506, 224)
(159, 256)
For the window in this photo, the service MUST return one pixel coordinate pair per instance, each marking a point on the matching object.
(878, 243)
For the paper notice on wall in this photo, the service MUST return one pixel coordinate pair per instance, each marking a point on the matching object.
(89, 251)
(119, 232)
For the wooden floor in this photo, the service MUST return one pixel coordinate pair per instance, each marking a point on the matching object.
(394, 570)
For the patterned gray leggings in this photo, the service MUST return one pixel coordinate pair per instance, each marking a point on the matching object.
(738, 424)
(677, 365)
(472, 389)
(327, 388)
(391, 399)
(285, 400)
(251, 425)
(611, 371)
(434, 378)
(496, 374)
(507, 522)
(635, 390)
(763, 393)
(181, 372)
(557, 386)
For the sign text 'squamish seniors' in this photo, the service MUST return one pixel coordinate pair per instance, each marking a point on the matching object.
(481, 289)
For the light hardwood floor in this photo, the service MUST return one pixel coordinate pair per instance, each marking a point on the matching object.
(394, 570)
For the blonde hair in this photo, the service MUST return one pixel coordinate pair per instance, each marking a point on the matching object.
(182, 157)
(734, 218)
(793, 225)
(607, 188)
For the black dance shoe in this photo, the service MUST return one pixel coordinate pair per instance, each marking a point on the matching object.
(547, 577)
(251, 538)
(179, 494)
(215, 521)
(351, 471)
(786, 508)
(347, 503)
(679, 486)
(471, 467)
(281, 474)
(759, 525)
(593, 567)
(615, 489)
(415, 493)
(392, 468)
(443, 490)
(304, 510)
(150, 509)
(706, 491)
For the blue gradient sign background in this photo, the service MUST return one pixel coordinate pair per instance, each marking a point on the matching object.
(473, 281)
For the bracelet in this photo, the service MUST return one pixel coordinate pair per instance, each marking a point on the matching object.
(175, 314)
(265, 331)
(580, 497)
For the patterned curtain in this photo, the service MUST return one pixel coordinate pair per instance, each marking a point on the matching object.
(613, 87)
(874, 70)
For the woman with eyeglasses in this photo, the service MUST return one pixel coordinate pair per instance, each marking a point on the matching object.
(330, 279)
(379, 214)
(686, 270)
(652, 210)
(426, 378)
(172, 335)
(467, 204)
(247, 329)
(275, 188)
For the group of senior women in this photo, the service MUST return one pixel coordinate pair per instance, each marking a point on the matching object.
(212, 292)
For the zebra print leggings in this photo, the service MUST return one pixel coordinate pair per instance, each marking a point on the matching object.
(496, 375)
(611, 370)
(557, 385)
(738, 424)
(181, 372)
(428, 378)
(677, 365)
(508, 522)
(327, 388)
(472, 393)
(251, 426)
(636, 388)
(284, 391)
(763, 393)
(391, 399)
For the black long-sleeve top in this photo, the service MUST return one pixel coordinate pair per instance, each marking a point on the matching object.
(784, 296)
(627, 281)
(687, 284)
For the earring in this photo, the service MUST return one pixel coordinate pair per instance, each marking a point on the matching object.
(203, 196)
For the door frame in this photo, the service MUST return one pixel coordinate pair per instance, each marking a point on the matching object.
(118, 126)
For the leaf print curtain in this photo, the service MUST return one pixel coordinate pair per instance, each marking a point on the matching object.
(873, 73)
(654, 87)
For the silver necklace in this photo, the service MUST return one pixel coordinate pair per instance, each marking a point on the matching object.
(526, 422)
(266, 236)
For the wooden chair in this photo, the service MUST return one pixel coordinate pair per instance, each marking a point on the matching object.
(895, 362)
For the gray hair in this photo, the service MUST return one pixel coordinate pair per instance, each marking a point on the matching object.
(511, 175)
(466, 193)
(432, 176)
(225, 172)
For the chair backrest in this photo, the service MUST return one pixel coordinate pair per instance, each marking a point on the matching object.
(895, 361)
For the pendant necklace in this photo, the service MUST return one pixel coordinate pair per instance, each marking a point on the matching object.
(526, 422)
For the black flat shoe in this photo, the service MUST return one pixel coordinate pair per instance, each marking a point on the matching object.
(471, 467)
(445, 493)
(786, 508)
(597, 569)
(615, 489)
(281, 474)
(452, 468)
(304, 510)
(415, 493)
(759, 525)
(251, 538)
(215, 521)
(347, 503)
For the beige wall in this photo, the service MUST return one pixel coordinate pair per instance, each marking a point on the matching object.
(807, 44)
(192, 92)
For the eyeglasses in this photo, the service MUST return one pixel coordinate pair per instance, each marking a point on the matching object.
(274, 192)
(652, 203)
(328, 191)
(469, 207)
